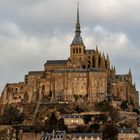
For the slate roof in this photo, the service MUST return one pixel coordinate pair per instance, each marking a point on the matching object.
(89, 51)
(121, 76)
(56, 62)
(126, 130)
(36, 72)
(83, 135)
(79, 70)
(77, 40)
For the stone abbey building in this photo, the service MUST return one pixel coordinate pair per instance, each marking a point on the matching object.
(86, 75)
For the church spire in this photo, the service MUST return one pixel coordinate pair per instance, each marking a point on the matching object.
(78, 21)
(77, 39)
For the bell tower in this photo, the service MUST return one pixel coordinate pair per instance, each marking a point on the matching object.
(77, 47)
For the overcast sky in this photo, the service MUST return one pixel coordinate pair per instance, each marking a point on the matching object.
(34, 31)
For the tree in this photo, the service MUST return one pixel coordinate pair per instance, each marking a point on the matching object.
(76, 97)
(81, 129)
(94, 128)
(62, 125)
(110, 132)
(51, 124)
(79, 109)
(87, 118)
(103, 106)
(11, 116)
(124, 105)
(101, 118)
(136, 110)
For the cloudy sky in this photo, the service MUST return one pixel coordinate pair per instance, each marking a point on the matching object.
(33, 31)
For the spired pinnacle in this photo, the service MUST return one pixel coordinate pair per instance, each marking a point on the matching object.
(78, 21)
(77, 39)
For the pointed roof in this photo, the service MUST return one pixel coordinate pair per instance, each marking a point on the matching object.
(77, 39)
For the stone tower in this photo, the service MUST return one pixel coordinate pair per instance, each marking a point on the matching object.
(77, 47)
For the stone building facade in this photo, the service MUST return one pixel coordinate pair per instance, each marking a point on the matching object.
(86, 75)
(127, 134)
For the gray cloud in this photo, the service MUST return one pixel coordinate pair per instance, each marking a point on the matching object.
(33, 31)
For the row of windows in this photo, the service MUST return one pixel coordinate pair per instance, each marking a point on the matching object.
(77, 50)
(17, 97)
(74, 120)
(15, 89)
(77, 58)
(85, 86)
(80, 79)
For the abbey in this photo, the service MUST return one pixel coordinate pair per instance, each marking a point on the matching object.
(86, 76)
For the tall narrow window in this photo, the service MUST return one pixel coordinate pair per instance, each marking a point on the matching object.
(79, 50)
(73, 50)
(76, 50)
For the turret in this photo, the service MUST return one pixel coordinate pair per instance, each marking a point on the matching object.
(102, 64)
(108, 62)
(135, 85)
(96, 58)
(130, 75)
(96, 49)
(113, 72)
